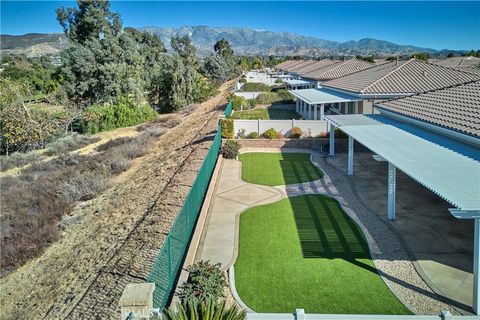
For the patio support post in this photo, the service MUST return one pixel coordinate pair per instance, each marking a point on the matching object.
(391, 191)
(314, 112)
(476, 266)
(332, 140)
(297, 103)
(350, 156)
(322, 111)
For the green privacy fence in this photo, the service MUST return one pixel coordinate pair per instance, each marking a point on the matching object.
(170, 259)
(228, 109)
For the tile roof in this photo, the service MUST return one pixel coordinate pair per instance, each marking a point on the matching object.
(284, 63)
(290, 64)
(316, 66)
(338, 69)
(457, 62)
(294, 68)
(403, 77)
(456, 107)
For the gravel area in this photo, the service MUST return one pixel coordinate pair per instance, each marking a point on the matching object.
(390, 257)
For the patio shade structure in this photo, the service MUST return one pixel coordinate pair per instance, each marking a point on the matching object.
(446, 166)
(315, 99)
(295, 84)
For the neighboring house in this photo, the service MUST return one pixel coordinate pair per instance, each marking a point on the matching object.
(336, 70)
(457, 62)
(392, 80)
(455, 109)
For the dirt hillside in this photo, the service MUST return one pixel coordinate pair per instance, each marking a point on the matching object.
(114, 238)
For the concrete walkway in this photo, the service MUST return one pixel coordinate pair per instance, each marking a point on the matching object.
(232, 196)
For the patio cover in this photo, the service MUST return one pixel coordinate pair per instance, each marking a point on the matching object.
(446, 166)
(294, 82)
(321, 95)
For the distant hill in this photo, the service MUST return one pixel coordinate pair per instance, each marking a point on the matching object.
(244, 41)
(33, 44)
(249, 41)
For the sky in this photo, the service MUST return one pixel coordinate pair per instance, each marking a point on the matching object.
(437, 25)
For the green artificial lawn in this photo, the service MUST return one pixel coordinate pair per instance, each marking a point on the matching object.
(274, 169)
(305, 252)
(266, 114)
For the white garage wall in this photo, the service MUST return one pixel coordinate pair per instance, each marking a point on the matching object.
(309, 127)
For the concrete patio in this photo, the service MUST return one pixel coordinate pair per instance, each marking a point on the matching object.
(441, 244)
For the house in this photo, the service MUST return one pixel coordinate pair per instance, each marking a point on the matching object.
(360, 90)
(434, 138)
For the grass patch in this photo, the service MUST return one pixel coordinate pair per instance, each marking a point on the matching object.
(305, 252)
(266, 114)
(274, 169)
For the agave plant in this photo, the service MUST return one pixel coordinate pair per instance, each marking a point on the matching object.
(210, 310)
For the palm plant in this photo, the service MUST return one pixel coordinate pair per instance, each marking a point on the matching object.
(210, 310)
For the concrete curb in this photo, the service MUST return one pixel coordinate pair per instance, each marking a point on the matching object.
(233, 289)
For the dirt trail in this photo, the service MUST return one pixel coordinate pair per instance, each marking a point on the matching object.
(116, 241)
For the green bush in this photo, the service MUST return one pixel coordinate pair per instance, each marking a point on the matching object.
(279, 81)
(296, 132)
(253, 135)
(252, 103)
(227, 129)
(282, 96)
(123, 113)
(231, 149)
(242, 80)
(239, 103)
(205, 282)
(270, 133)
(208, 310)
(256, 87)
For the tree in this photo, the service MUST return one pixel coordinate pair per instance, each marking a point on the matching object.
(224, 49)
(217, 68)
(20, 127)
(450, 55)
(183, 46)
(421, 56)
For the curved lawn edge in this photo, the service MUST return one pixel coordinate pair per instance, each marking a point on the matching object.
(403, 308)
(279, 168)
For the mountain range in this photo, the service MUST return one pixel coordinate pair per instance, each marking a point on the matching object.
(244, 41)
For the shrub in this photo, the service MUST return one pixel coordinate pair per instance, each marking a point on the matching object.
(280, 135)
(208, 310)
(67, 143)
(242, 80)
(205, 282)
(278, 81)
(296, 132)
(253, 135)
(227, 129)
(17, 159)
(231, 149)
(241, 134)
(270, 133)
(252, 103)
(322, 134)
(123, 113)
(112, 143)
(83, 186)
(285, 96)
(267, 98)
(256, 87)
(239, 103)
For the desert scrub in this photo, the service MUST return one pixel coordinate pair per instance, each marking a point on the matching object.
(205, 282)
(69, 142)
(50, 189)
(231, 149)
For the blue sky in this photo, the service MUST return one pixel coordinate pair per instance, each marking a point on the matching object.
(438, 25)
